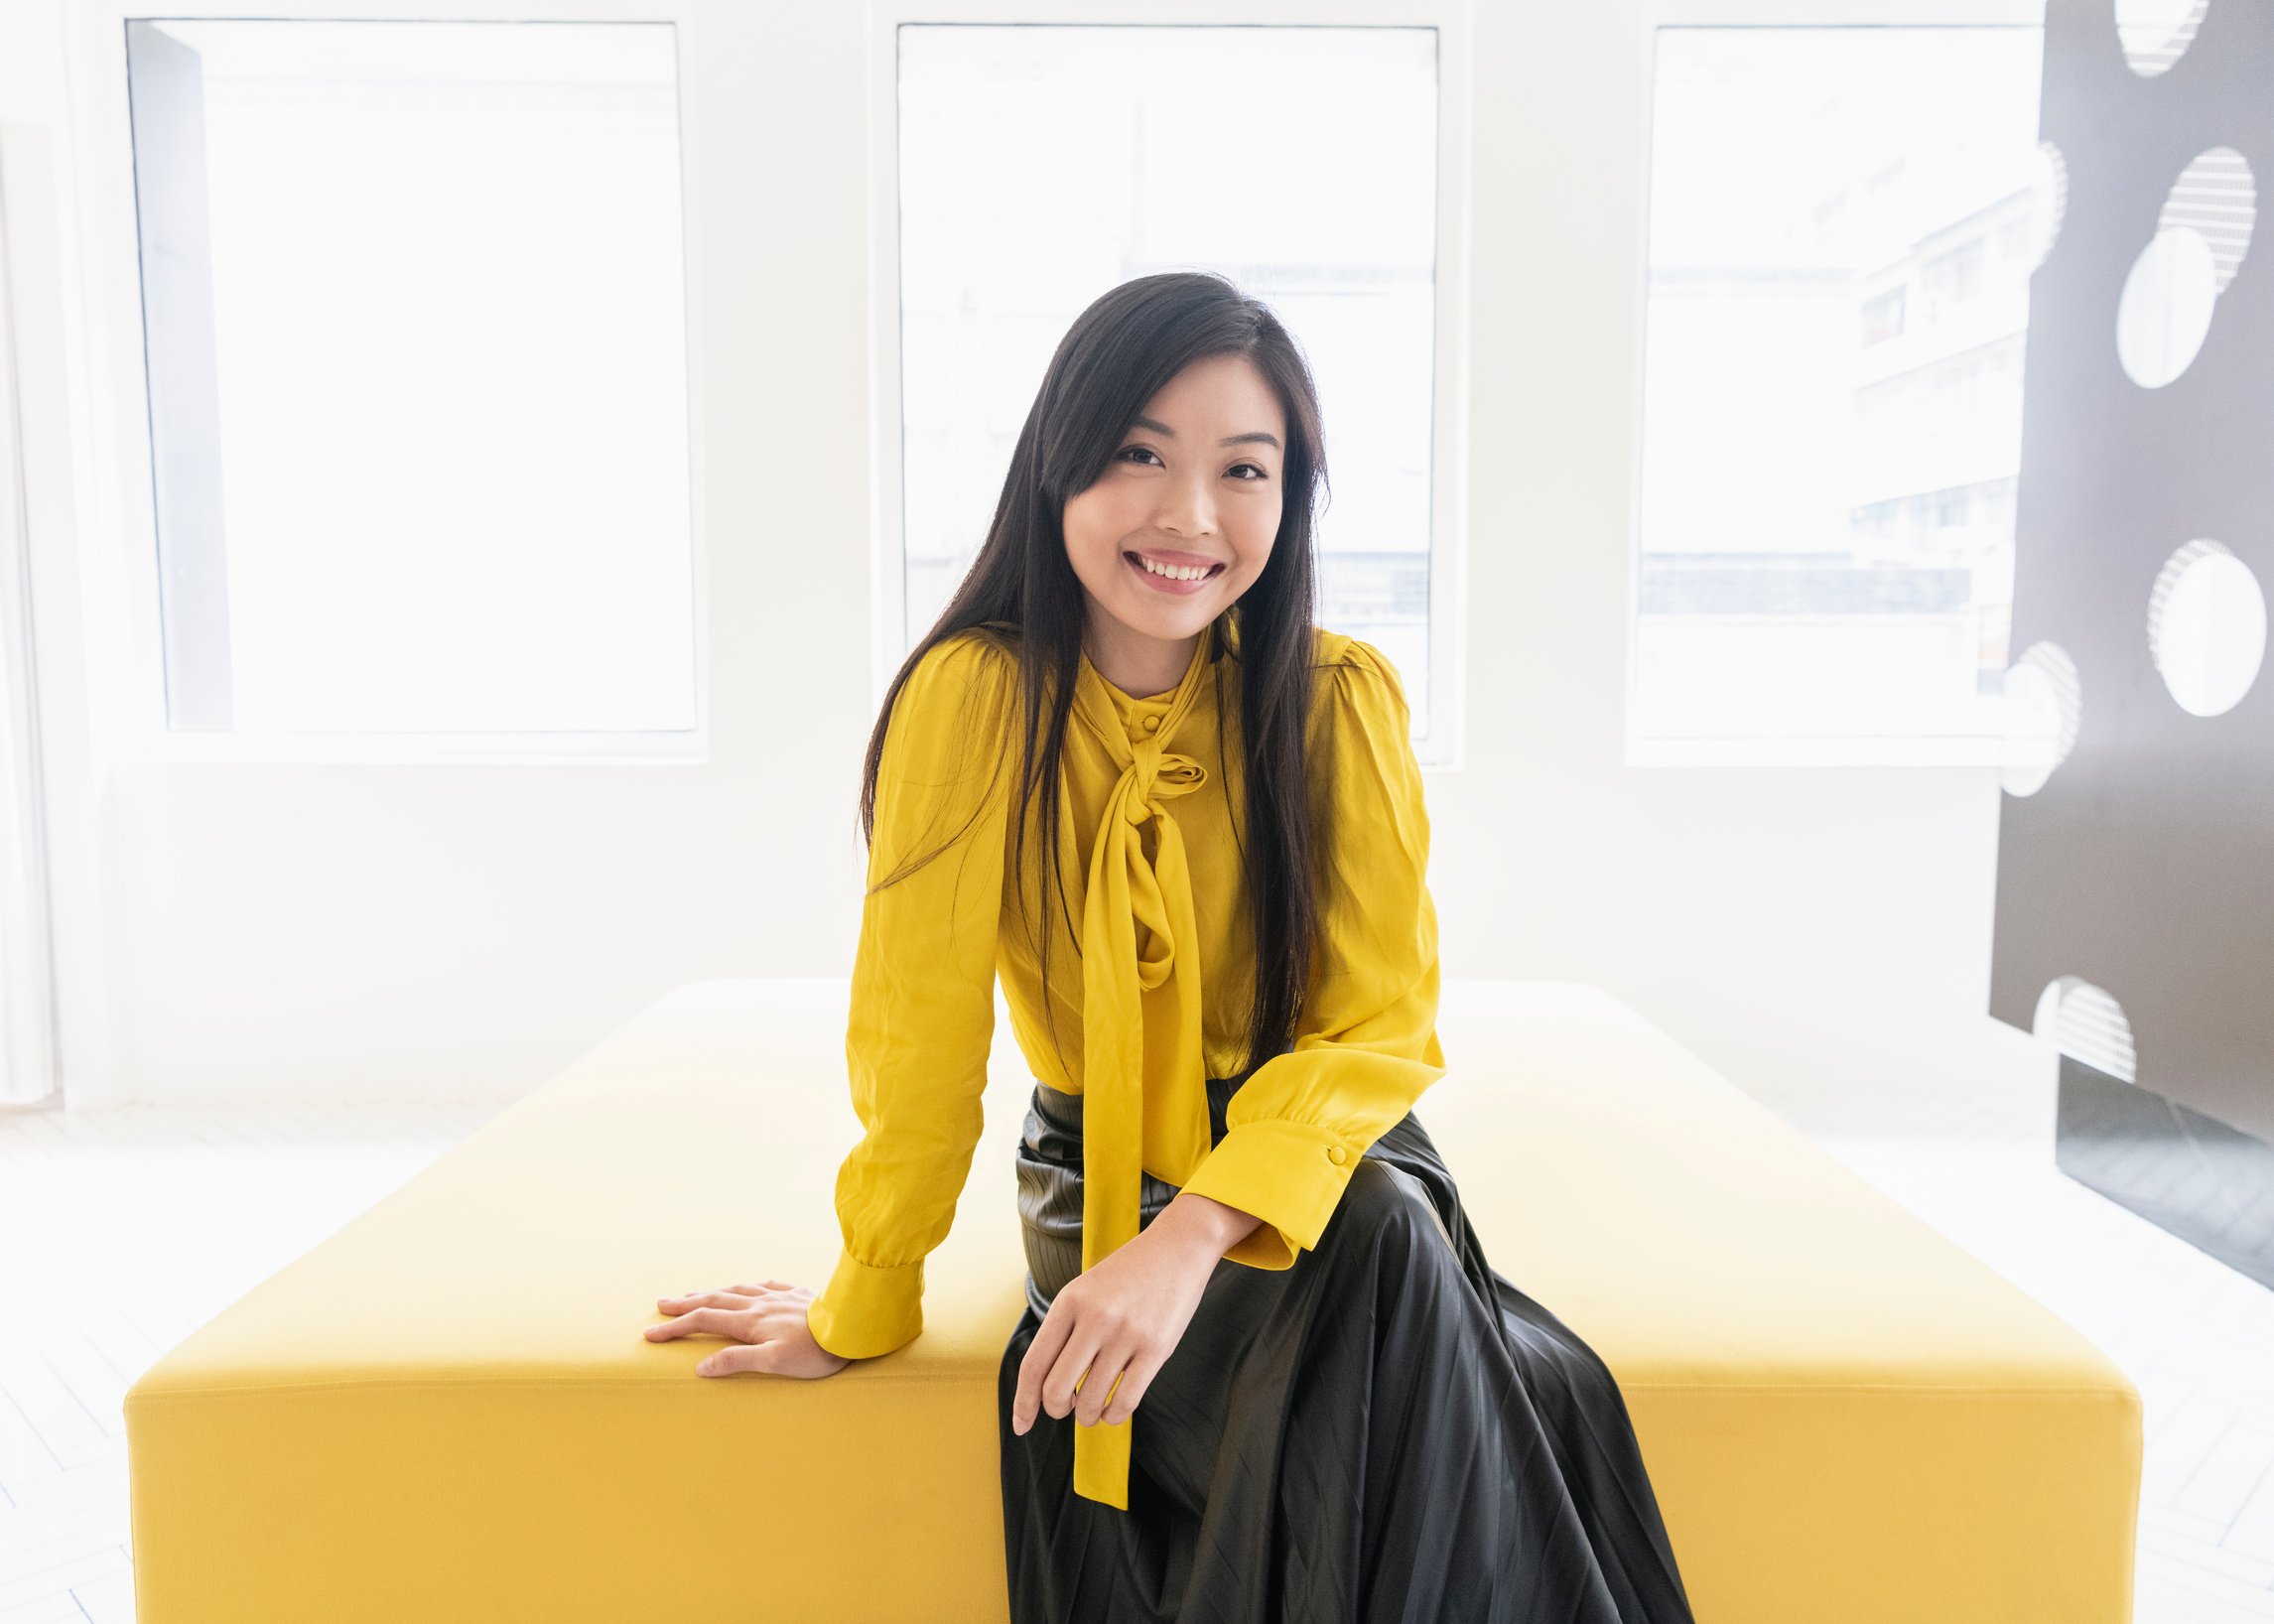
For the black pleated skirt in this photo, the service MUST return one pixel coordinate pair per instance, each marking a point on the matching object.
(1387, 1430)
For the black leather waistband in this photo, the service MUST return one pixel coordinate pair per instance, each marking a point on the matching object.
(1054, 1126)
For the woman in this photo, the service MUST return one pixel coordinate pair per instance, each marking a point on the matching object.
(1263, 1369)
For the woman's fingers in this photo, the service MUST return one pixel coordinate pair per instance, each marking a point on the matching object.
(1070, 1374)
(740, 1357)
(1041, 1354)
(1061, 1388)
(1135, 1377)
(722, 1320)
(731, 1297)
(1062, 1362)
(701, 1299)
(1100, 1385)
(767, 1330)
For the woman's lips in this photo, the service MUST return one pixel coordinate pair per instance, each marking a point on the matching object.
(1165, 584)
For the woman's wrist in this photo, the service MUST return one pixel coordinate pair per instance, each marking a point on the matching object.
(1207, 1223)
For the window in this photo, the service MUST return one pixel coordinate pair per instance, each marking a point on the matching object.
(414, 334)
(1040, 165)
(1843, 222)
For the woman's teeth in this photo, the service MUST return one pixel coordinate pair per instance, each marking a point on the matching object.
(1175, 571)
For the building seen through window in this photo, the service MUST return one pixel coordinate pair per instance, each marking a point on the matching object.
(1838, 299)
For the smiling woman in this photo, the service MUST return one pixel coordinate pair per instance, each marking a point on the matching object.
(1263, 1369)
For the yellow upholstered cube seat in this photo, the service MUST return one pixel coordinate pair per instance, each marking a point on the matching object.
(447, 1412)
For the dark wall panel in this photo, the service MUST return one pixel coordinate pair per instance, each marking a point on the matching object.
(2145, 863)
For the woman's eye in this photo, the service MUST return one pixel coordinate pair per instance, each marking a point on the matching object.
(1253, 474)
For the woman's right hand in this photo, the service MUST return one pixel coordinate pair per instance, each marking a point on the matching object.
(765, 1323)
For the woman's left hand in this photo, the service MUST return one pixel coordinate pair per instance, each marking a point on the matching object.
(1112, 1326)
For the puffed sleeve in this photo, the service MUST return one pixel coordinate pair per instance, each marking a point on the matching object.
(1366, 1046)
(922, 1012)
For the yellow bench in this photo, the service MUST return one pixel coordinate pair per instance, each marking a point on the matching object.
(447, 1412)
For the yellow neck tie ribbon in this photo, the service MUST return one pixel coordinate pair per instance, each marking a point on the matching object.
(1144, 1090)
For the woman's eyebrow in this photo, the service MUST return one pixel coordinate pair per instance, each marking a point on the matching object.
(1258, 437)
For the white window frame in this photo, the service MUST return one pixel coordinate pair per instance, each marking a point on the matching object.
(126, 612)
(1952, 750)
(1442, 743)
(31, 1032)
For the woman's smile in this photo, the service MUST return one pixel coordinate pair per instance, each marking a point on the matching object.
(1179, 579)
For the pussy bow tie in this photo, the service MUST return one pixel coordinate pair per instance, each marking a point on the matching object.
(1145, 1092)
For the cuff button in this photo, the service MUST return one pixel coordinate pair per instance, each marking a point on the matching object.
(1337, 1155)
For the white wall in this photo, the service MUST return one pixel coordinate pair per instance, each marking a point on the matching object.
(353, 929)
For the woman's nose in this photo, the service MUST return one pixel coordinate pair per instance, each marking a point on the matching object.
(1187, 513)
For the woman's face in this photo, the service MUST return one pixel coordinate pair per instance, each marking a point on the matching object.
(1193, 488)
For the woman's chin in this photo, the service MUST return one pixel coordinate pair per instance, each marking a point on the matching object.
(1169, 621)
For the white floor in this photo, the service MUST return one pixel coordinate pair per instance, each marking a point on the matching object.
(127, 1228)
(2196, 1336)
(124, 1230)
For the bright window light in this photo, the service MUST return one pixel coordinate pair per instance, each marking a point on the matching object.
(1042, 164)
(415, 340)
(1843, 222)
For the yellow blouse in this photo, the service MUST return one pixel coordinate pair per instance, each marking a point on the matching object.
(1151, 870)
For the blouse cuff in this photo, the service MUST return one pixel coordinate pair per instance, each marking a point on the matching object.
(1289, 1174)
(866, 1310)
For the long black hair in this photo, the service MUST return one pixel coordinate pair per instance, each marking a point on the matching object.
(1022, 594)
